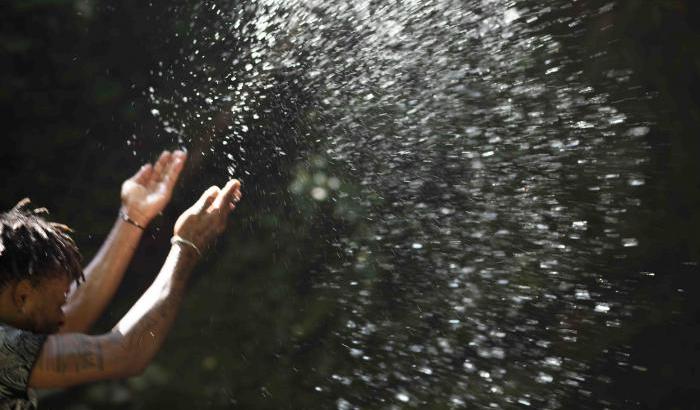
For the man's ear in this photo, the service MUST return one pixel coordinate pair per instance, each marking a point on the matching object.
(21, 292)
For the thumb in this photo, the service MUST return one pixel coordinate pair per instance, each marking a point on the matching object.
(206, 199)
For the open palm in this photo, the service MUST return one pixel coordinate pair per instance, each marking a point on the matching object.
(146, 193)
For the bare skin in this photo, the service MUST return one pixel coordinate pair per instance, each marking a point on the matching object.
(143, 196)
(75, 358)
(53, 306)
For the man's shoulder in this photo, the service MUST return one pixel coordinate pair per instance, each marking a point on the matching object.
(7, 331)
(18, 342)
(19, 350)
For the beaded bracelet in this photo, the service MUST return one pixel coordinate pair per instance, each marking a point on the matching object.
(126, 218)
(182, 241)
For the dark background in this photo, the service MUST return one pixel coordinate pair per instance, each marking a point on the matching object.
(76, 123)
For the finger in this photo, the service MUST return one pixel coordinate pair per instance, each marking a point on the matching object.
(173, 159)
(237, 195)
(174, 168)
(206, 199)
(227, 192)
(180, 154)
(143, 174)
(160, 164)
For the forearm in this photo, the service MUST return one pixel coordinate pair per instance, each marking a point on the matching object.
(69, 359)
(73, 358)
(144, 328)
(102, 277)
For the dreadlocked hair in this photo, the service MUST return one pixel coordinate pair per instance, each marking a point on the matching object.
(33, 248)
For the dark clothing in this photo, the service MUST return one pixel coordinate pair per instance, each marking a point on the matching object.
(19, 350)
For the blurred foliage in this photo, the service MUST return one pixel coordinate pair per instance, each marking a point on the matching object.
(249, 335)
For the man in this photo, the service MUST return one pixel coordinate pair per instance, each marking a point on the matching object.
(45, 315)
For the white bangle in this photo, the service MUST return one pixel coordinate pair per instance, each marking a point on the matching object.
(126, 218)
(178, 240)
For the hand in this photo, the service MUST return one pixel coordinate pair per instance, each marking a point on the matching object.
(146, 193)
(206, 219)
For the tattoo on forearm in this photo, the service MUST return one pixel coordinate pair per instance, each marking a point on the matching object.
(73, 353)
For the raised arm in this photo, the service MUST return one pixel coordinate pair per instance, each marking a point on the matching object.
(143, 196)
(70, 359)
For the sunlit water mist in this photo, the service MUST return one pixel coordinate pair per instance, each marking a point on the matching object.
(493, 183)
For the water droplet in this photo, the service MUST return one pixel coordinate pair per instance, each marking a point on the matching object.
(584, 125)
(629, 242)
(581, 225)
(426, 370)
(343, 404)
(582, 294)
(544, 378)
(511, 15)
(602, 308)
(638, 131)
(402, 397)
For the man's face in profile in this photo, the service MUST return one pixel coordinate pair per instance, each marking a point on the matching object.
(44, 304)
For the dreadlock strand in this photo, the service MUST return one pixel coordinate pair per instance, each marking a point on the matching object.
(33, 248)
(22, 204)
(40, 211)
(61, 227)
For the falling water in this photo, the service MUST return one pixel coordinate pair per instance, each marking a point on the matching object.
(488, 185)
